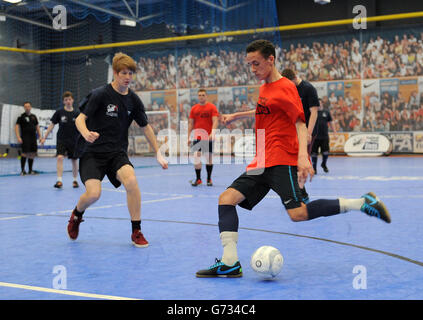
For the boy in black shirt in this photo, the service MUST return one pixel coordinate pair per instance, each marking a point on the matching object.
(26, 130)
(103, 123)
(310, 101)
(66, 137)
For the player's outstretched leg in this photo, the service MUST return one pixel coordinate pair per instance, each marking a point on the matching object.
(229, 266)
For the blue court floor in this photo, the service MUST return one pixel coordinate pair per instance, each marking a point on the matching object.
(348, 256)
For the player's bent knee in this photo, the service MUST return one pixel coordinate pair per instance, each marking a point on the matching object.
(298, 214)
(230, 197)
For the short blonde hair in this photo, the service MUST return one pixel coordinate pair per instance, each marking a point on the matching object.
(121, 61)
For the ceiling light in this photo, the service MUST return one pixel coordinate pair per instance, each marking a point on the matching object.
(128, 23)
(13, 1)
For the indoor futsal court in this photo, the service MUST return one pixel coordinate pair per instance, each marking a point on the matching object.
(364, 61)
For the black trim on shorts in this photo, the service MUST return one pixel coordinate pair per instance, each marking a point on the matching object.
(282, 179)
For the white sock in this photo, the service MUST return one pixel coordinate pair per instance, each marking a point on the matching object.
(59, 179)
(75, 179)
(229, 240)
(350, 204)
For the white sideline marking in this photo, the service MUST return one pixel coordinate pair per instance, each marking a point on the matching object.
(65, 292)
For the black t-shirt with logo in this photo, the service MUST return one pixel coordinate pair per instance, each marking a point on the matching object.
(110, 114)
(28, 124)
(67, 132)
(309, 97)
(321, 130)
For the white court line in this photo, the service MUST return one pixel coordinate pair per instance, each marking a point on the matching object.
(186, 196)
(12, 218)
(64, 292)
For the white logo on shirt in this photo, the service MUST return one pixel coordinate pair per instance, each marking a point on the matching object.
(112, 110)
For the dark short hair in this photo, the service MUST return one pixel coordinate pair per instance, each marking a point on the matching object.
(67, 94)
(289, 73)
(27, 102)
(202, 90)
(265, 47)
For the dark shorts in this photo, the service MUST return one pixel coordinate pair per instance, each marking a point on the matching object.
(281, 179)
(323, 144)
(205, 146)
(95, 165)
(64, 149)
(29, 144)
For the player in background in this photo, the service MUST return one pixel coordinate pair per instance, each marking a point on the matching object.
(26, 130)
(65, 138)
(202, 123)
(321, 140)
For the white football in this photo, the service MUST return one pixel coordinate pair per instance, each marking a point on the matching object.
(267, 261)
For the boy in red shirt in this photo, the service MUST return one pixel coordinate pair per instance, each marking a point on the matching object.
(202, 123)
(284, 167)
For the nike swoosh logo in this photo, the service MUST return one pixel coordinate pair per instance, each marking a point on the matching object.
(368, 85)
(219, 271)
(286, 202)
(373, 200)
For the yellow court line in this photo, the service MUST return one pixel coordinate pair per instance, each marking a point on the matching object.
(64, 292)
(330, 23)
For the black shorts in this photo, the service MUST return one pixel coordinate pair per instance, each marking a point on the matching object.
(205, 146)
(95, 165)
(281, 179)
(29, 144)
(323, 144)
(63, 149)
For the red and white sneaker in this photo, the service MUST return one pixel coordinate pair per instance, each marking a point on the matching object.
(138, 239)
(73, 226)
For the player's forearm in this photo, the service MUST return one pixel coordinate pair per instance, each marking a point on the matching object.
(49, 129)
(17, 132)
(312, 120)
(151, 137)
(302, 139)
(244, 114)
(81, 125)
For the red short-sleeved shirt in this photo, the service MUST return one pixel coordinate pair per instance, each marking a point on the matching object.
(203, 119)
(278, 109)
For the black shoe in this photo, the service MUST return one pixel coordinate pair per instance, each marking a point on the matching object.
(375, 208)
(33, 173)
(196, 182)
(58, 185)
(325, 169)
(221, 270)
(23, 173)
(75, 184)
(209, 183)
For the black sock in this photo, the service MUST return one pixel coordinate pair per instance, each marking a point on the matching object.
(323, 208)
(228, 218)
(30, 162)
(209, 168)
(77, 213)
(23, 161)
(198, 173)
(136, 225)
(314, 161)
(325, 158)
